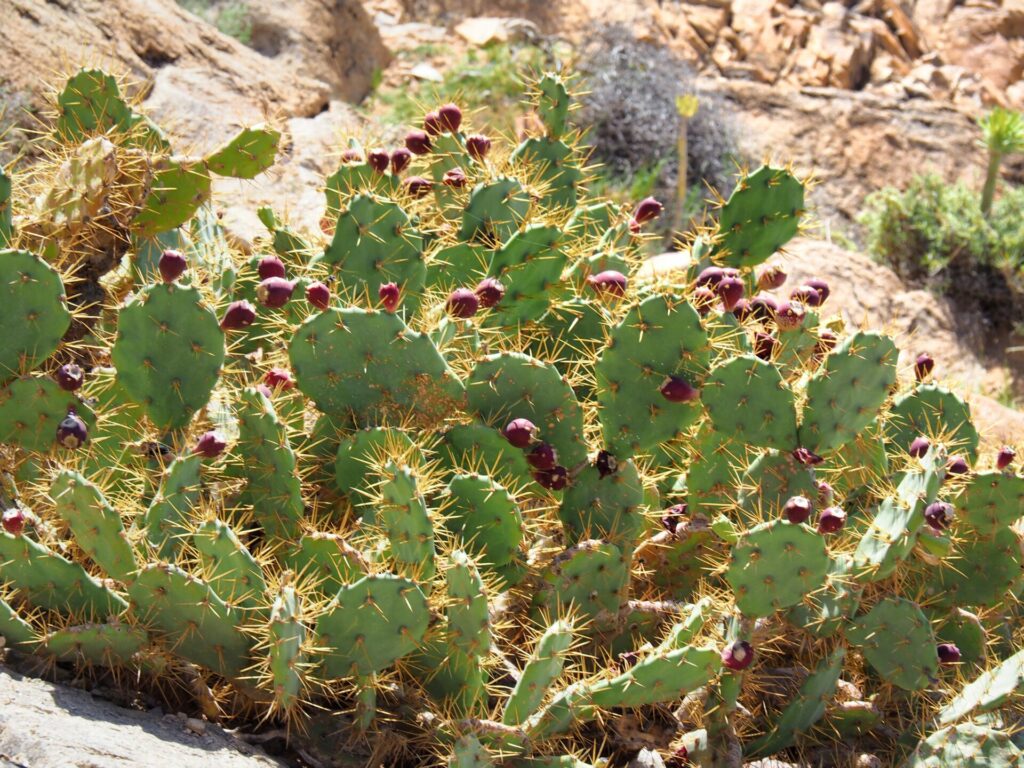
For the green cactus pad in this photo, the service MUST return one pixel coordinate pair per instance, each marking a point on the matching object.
(327, 561)
(46, 580)
(989, 691)
(475, 448)
(965, 630)
(176, 193)
(457, 266)
(593, 577)
(468, 752)
(35, 315)
(659, 337)
(168, 352)
(761, 216)
(469, 627)
(774, 565)
(247, 155)
(712, 470)
(193, 620)
(845, 395)
(529, 264)
(982, 570)
(486, 519)
(511, 385)
(677, 563)
(805, 710)
(353, 179)
(542, 669)
(289, 245)
(746, 398)
(94, 522)
(286, 657)
(404, 516)
(107, 645)
(31, 408)
(494, 212)
(595, 507)
(991, 501)
(6, 216)
(558, 169)
(966, 746)
(268, 464)
(825, 612)
(14, 630)
(682, 633)
(371, 624)
(228, 567)
(166, 521)
(354, 471)
(772, 479)
(368, 367)
(90, 103)
(935, 412)
(897, 640)
(451, 677)
(552, 103)
(375, 243)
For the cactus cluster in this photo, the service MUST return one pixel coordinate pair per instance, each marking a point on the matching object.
(457, 480)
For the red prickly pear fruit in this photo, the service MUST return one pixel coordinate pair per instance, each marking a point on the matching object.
(450, 117)
(239, 314)
(765, 345)
(390, 294)
(1005, 457)
(432, 123)
(730, 291)
(270, 266)
(478, 146)
(400, 160)
(69, 377)
(72, 432)
(417, 142)
(948, 653)
(172, 265)
(646, 210)
(806, 457)
(554, 479)
(520, 432)
(762, 307)
(957, 465)
(702, 298)
(351, 156)
(741, 310)
(771, 277)
(609, 282)
(462, 303)
(417, 186)
(821, 287)
(606, 463)
(737, 656)
(919, 446)
(542, 456)
(923, 366)
(825, 492)
(275, 292)
(279, 378)
(210, 444)
(710, 277)
(379, 159)
(456, 177)
(797, 510)
(490, 291)
(939, 515)
(831, 519)
(318, 294)
(14, 521)
(673, 516)
(789, 316)
(826, 342)
(676, 389)
(805, 295)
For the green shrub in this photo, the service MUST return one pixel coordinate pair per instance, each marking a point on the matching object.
(232, 17)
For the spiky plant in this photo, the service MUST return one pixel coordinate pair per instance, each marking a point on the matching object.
(1002, 133)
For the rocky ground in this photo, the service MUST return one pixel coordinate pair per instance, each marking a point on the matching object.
(861, 94)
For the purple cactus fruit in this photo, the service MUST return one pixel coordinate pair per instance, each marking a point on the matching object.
(762, 307)
(765, 345)
(279, 378)
(703, 298)
(948, 653)
(939, 514)
(390, 294)
(542, 456)
(275, 292)
(923, 366)
(821, 287)
(490, 291)
(13, 521)
(741, 310)
(172, 265)
(318, 294)
(789, 316)
(678, 759)
(417, 142)
(462, 303)
(627, 659)
(608, 282)
(957, 465)
(606, 463)
(738, 656)
(400, 160)
(351, 156)
(825, 492)
(806, 457)
(520, 432)
(432, 123)
(771, 277)
(710, 277)
(210, 444)
(730, 291)
(919, 446)
(264, 390)
(450, 117)
(826, 342)
(831, 519)
(478, 146)
(646, 210)
(554, 479)
(676, 389)
(72, 432)
(270, 266)
(69, 377)
(417, 186)
(673, 516)
(1005, 457)
(379, 159)
(456, 177)
(797, 509)
(805, 295)
(239, 314)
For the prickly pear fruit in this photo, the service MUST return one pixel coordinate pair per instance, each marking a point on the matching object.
(771, 277)
(520, 432)
(790, 316)
(608, 282)
(275, 292)
(490, 291)
(13, 521)
(673, 516)
(554, 479)
(478, 146)
(417, 186)
(417, 142)
(72, 432)
(919, 446)
(730, 291)
(938, 514)
(400, 160)
(710, 277)
(606, 463)
(1005, 457)
(702, 299)
(279, 378)
(543, 456)
(762, 307)
(797, 509)
(450, 117)
(318, 294)
(172, 265)
(948, 653)
(831, 519)
(957, 466)
(239, 314)
(923, 366)
(805, 294)
(379, 159)
(432, 123)
(270, 266)
(390, 294)
(821, 287)
(69, 377)
(676, 389)
(765, 345)
(210, 445)
(456, 177)
(462, 303)
(738, 656)
(806, 457)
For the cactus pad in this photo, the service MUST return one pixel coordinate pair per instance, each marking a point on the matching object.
(529, 265)
(746, 397)
(35, 313)
(494, 212)
(486, 518)
(935, 412)
(761, 216)
(247, 155)
(107, 645)
(898, 642)
(593, 577)
(595, 507)
(228, 567)
(966, 746)
(32, 407)
(94, 522)
(991, 501)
